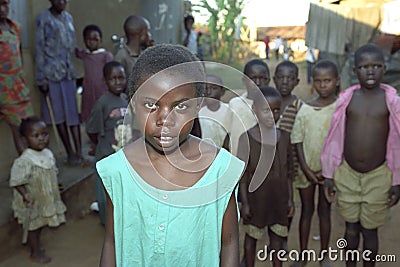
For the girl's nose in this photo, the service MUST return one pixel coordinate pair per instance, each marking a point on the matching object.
(165, 117)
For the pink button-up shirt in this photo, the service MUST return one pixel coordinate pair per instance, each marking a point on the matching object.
(332, 151)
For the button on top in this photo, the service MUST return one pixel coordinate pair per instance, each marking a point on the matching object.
(161, 227)
(165, 197)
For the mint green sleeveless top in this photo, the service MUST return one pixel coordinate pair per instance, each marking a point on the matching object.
(154, 227)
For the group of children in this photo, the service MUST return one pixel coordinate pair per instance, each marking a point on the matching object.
(168, 185)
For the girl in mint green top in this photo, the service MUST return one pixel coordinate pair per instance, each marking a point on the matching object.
(170, 196)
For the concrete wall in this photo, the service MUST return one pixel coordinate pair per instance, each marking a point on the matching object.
(165, 17)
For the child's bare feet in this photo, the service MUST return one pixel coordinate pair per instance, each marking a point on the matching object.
(40, 257)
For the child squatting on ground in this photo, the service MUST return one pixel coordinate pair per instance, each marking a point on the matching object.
(360, 157)
(37, 202)
(269, 207)
(170, 197)
(308, 134)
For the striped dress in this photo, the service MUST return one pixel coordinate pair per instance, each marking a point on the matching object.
(286, 124)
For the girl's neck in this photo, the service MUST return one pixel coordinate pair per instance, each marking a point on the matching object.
(322, 102)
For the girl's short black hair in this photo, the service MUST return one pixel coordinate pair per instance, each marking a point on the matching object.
(161, 57)
(27, 123)
(91, 28)
(326, 64)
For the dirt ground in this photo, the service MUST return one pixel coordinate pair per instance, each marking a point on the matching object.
(78, 243)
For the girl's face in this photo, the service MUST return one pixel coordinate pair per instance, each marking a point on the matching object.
(116, 80)
(285, 80)
(259, 75)
(325, 82)
(93, 40)
(37, 136)
(268, 114)
(165, 115)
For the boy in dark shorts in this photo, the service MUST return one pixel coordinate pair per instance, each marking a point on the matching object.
(361, 152)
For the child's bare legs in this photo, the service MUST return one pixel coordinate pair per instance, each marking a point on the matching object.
(276, 244)
(307, 210)
(324, 214)
(352, 236)
(37, 253)
(73, 158)
(249, 250)
(76, 136)
(371, 243)
(370, 237)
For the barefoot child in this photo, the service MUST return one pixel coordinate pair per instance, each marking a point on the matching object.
(308, 134)
(37, 198)
(267, 208)
(170, 197)
(94, 58)
(213, 115)
(286, 78)
(101, 124)
(361, 152)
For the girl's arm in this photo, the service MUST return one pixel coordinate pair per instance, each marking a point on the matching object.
(108, 251)
(25, 195)
(230, 235)
(304, 167)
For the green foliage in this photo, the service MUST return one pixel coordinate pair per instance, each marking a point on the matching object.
(222, 24)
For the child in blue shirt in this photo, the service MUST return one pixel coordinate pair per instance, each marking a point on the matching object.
(170, 197)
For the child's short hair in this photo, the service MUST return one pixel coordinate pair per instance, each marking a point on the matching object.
(268, 92)
(188, 17)
(253, 62)
(109, 66)
(27, 123)
(289, 64)
(368, 49)
(163, 56)
(326, 64)
(135, 23)
(91, 28)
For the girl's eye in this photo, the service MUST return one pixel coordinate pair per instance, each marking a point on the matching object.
(150, 105)
(181, 106)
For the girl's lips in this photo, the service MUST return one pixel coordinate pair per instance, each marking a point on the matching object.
(166, 140)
